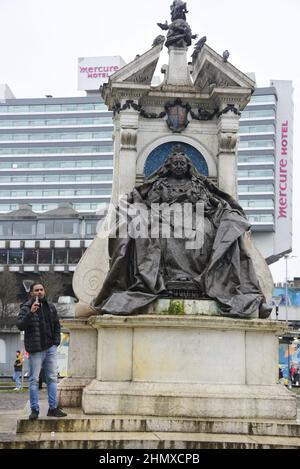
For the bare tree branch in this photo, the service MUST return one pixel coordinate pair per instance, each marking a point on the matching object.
(9, 290)
(53, 284)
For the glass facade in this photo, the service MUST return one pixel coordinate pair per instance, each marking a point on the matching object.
(256, 188)
(256, 144)
(256, 158)
(40, 256)
(46, 108)
(56, 136)
(256, 129)
(55, 178)
(258, 114)
(42, 122)
(59, 143)
(41, 150)
(49, 228)
(255, 173)
(54, 193)
(257, 203)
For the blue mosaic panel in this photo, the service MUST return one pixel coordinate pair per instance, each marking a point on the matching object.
(159, 155)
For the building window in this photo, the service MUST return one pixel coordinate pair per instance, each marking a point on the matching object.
(261, 218)
(262, 173)
(37, 136)
(75, 255)
(15, 256)
(60, 256)
(21, 228)
(30, 256)
(68, 227)
(45, 227)
(91, 227)
(256, 129)
(45, 256)
(6, 228)
(256, 144)
(258, 114)
(3, 256)
(257, 203)
(269, 98)
(256, 159)
(256, 188)
(7, 208)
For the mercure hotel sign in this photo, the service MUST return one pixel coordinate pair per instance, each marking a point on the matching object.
(283, 171)
(94, 71)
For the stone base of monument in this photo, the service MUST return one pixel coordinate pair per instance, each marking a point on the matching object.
(168, 381)
(187, 366)
(189, 400)
(79, 430)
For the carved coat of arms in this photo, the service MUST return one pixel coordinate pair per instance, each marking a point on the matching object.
(177, 113)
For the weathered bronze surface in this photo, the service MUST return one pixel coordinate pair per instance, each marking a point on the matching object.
(179, 32)
(146, 268)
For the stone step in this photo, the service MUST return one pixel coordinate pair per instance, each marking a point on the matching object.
(79, 422)
(145, 440)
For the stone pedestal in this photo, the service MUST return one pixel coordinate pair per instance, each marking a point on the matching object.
(187, 366)
(177, 71)
(82, 362)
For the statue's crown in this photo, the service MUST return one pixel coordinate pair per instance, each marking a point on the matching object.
(178, 149)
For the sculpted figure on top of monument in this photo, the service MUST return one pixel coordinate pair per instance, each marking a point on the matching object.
(178, 10)
(180, 33)
(156, 254)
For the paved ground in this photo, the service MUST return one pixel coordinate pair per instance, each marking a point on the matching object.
(12, 405)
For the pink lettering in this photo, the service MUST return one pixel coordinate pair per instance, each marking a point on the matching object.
(282, 212)
(283, 163)
(283, 187)
(283, 179)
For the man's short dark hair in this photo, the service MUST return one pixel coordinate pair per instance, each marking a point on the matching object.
(34, 285)
(18, 351)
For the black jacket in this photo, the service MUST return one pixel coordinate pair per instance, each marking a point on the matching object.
(18, 365)
(30, 323)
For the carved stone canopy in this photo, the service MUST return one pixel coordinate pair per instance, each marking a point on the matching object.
(211, 80)
(210, 71)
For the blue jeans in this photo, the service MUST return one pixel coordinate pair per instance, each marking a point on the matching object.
(48, 360)
(18, 379)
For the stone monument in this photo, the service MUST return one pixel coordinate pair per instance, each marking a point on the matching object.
(185, 337)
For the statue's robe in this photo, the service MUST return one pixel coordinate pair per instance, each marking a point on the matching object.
(223, 270)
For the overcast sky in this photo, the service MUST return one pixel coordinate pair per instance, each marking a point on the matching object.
(40, 41)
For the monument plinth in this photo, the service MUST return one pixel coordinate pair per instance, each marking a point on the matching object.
(184, 366)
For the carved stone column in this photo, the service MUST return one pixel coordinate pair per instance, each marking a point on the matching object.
(228, 127)
(127, 157)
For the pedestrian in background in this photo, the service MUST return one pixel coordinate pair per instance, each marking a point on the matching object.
(18, 370)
